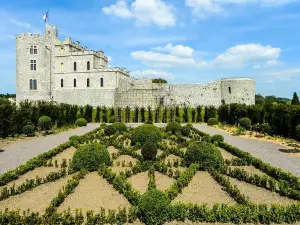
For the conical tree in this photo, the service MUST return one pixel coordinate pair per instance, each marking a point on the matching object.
(295, 100)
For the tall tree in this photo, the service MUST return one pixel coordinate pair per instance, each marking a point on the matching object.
(295, 100)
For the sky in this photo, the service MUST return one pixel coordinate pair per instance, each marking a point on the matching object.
(182, 41)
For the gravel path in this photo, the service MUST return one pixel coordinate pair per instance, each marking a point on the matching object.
(18, 153)
(267, 151)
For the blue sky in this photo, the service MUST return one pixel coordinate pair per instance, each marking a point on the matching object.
(183, 41)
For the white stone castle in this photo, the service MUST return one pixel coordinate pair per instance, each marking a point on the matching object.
(63, 71)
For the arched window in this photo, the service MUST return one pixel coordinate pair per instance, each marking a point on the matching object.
(74, 82)
(88, 82)
(62, 67)
(101, 82)
(88, 65)
(34, 84)
(62, 50)
(61, 82)
(30, 84)
(75, 66)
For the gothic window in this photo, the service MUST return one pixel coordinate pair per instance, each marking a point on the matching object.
(75, 66)
(74, 82)
(229, 89)
(34, 84)
(30, 84)
(62, 67)
(61, 82)
(33, 65)
(101, 82)
(62, 51)
(88, 66)
(88, 82)
(34, 50)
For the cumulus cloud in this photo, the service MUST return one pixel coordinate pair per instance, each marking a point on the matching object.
(145, 12)
(152, 74)
(177, 50)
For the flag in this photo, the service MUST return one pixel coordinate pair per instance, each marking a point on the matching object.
(45, 17)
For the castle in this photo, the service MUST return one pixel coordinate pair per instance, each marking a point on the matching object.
(63, 71)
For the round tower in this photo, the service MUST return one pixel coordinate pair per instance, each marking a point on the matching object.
(238, 90)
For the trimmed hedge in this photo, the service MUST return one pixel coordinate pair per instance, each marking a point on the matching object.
(28, 130)
(266, 128)
(174, 127)
(245, 123)
(120, 127)
(212, 122)
(110, 130)
(146, 132)
(217, 138)
(149, 150)
(45, 123)
(81, 122)
(186, 130)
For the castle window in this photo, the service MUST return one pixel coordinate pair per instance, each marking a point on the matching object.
(101, 82)
(62, 67)
(31, 50)
(34, 50)
(88, 82)
(75, 66)
(30, 84)
(62, 51)
(61, 82)
(34, 84)
(33, 65)
(74, 82)
(88, 65)
(229, 89)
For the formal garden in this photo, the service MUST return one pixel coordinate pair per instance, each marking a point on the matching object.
(148, 175)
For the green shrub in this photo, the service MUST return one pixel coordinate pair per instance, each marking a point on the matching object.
(185, 131)
(149, 150)
(103, 125)
(149, 122)
(75, 140)
(112, 119)
(153, 206)
(44, 123)
(110, 130)
(81, 122)
(173, 127)
(298, 132)
(205, 154)
(190, 125)
(212, 122)
(177, 120)
(146, 132)
(120, 127)
(90, 157)
(245, 123)
(28, 130)
(217, 138)
(265, 128)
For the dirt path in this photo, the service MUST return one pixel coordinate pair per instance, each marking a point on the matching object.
(267, 151)
(19, 152)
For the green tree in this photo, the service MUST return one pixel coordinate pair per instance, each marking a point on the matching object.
(295, 100)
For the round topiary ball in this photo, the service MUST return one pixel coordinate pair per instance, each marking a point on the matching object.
(298, 132)
(149, 150)
(205, 154)
(145, 132)
(120, 127)
(81, 122)
(44, 123)
(245, 123)
(212, 121)
(173, 127)
(217, 138)
(28, 130)
(153, 207)
(110, 130)
(186, 131)
(112, 119)
(90, 157)
(76, 140)
(265, 128)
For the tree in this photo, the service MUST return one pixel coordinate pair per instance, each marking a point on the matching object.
(295, 100)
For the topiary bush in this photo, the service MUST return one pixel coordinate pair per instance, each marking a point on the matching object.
(45, 123)
(298, 132)
(212, 121)
(186, 131)
(103, 125)
(174, 127)
(205, 154)
(28, 130)
(149, 150)
(81, 122)
(110, 130)
(112, 119)
(245, 123)
(120, 127)
(217, 138)
(265, 128)
(146, 132)
(90, 157)
(177, 120)
(153, 207)
(76, 140)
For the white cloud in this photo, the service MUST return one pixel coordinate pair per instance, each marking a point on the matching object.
(152, 74)
(145, 12)
(279, 75)
(109, 58)
(119, 9)
(177, 50)
(20, 24)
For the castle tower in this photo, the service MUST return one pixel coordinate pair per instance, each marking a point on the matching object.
(34, 65)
